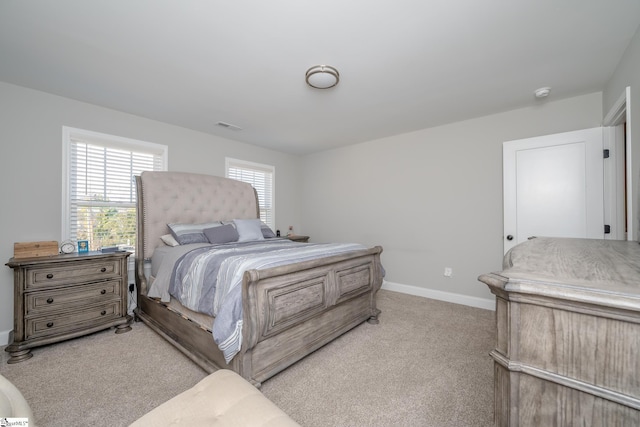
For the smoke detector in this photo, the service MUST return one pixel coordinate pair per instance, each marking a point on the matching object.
(543, 92)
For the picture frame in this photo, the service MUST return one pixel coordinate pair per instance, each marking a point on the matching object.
(83, 246)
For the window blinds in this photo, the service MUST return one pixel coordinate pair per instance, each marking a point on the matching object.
(261, 178)
(102, 194)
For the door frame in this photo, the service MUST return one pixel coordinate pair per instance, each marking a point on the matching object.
(614, 182)
(620, 113)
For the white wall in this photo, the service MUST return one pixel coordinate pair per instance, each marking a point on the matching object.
(628, 74)
(31, 167)
(432, 198)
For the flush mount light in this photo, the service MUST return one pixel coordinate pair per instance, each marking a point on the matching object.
(543, 92)
(322, 76)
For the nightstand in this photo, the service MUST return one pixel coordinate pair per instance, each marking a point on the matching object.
(298, 238)
(66, 296)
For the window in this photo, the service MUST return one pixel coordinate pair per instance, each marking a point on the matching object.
(99, 194)
(262, 179)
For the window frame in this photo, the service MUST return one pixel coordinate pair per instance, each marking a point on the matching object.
(70, 134)
(253, 166)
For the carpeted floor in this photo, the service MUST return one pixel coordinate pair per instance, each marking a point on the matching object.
(426, 364)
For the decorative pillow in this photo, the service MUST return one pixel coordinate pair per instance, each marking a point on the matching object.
(169, 240)
(222, 234)
(266, 231)
(191, 233)
(248, 229)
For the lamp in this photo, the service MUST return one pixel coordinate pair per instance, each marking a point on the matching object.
(322, 76)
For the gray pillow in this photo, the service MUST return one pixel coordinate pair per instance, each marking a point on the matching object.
(248, 229)
(266, 231)
(191, 233)
(222, 234)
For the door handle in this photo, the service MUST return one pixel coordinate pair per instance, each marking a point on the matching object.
(509, 237)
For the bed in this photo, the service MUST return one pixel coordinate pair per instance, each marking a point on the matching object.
(286, 310)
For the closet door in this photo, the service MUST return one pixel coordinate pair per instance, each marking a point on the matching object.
(553, 186)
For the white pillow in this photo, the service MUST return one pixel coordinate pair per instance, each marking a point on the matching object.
(169, 240)
(248, 229)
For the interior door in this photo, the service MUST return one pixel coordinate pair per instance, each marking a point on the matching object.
(553, 186)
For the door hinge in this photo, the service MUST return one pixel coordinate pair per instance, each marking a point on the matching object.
(607, 229)
(606, 153)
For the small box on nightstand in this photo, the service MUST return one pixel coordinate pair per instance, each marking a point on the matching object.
(35, 249)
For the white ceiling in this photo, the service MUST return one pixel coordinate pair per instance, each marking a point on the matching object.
(404, 64)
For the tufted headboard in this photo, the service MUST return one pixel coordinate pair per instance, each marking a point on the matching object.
(169, 197)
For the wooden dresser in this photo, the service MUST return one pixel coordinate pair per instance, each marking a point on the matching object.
(66, 296)
(568, 334)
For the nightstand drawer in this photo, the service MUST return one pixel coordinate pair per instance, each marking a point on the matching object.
(78, 320)
(67, 298)
(58, 275)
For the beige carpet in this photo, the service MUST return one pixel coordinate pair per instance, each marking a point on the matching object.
(426, 364)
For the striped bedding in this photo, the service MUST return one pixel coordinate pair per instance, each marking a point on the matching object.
(208, 279)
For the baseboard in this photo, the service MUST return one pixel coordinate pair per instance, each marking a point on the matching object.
(487, 304)
(6, 337)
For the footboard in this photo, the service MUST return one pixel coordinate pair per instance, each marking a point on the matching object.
(292, 310)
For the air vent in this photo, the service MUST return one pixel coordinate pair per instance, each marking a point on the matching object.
(229, 126)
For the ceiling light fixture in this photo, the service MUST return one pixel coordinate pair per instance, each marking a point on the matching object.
(543, 92)
(322, 76)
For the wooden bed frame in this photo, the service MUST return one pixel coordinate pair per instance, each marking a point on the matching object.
(288, 311)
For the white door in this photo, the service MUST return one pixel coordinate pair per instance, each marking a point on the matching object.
(553, 186)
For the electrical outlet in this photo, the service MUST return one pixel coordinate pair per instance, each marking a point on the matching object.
(448, 271)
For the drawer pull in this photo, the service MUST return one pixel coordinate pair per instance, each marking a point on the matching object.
(49, 300)
(49, 276)
(104, 291)
(50, 324)
(103, 269)
(103, 312)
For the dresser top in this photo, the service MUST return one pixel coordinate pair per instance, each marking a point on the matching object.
(18, 262)
(574, 269)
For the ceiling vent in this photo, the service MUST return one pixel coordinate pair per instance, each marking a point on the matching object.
(229, 126)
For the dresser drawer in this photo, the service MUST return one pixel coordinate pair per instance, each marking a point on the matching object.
(48, 301)
(81, 319)
(60, 275)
